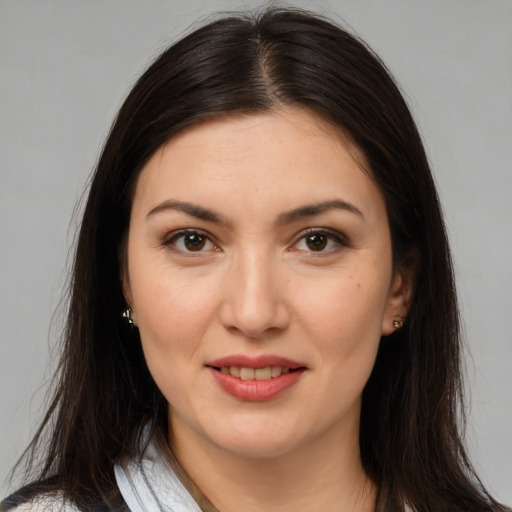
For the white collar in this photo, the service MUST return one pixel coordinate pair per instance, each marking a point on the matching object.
(148, 484)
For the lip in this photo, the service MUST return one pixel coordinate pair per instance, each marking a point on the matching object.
(256, 390)
(256, 362)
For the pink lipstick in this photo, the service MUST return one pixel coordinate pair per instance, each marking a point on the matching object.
(256, 378)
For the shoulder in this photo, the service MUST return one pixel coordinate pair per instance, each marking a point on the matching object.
(37, 504)
(28, 500)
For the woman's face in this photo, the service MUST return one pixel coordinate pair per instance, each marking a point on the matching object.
(259, 271)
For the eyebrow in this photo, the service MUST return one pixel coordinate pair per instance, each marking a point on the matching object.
(305, 211)
(311, 210)
(193, 210)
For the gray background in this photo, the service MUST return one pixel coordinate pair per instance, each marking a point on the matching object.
(65, 66)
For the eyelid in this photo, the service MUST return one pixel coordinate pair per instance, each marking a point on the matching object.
(338, 237)
(334, 235)
(171, 237)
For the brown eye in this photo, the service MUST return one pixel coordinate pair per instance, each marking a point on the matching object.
(321, 241)
(187, 242)
(194, 241)
(316, 242)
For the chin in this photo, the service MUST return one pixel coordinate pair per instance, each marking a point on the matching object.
(258, 448)
(257, 440)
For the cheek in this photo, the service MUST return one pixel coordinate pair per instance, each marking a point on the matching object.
(344, 320)
(172, 320)
(173, 311)
(345, 306)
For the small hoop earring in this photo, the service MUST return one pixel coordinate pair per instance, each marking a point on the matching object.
(127, 314)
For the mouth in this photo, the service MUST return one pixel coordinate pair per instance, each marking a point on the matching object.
(256, 379)
(246, 373)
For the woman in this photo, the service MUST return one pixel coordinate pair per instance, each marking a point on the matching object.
(262, 311)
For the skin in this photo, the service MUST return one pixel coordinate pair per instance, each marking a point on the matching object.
(257, 287)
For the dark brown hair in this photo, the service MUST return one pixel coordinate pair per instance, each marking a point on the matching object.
(412, 405)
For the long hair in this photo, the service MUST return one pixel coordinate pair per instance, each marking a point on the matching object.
(410, 437)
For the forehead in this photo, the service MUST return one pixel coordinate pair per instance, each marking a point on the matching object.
(289, 155)
(238, 133)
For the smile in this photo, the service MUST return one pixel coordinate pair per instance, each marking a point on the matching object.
(244, 373)
(256, 378)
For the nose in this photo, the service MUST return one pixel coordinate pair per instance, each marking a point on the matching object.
(254, 302)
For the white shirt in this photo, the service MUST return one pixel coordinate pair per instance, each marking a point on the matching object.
(147, 484)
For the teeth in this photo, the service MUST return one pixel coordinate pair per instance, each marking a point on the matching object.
(247, 373)
(269, 372)
(276, 371)
(263, 373)
(234, 371)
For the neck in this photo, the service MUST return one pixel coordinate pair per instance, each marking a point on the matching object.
(310, 478)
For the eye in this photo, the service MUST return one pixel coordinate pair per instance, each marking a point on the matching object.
(319, 241)
(316, 242)
(190, 241)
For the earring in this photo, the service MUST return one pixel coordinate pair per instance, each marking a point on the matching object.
(127, 313)
(398, 323)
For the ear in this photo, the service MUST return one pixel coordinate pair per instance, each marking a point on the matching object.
(401, 293)
(127, 290)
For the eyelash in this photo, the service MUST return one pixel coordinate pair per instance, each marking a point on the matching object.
(331, 236)
(171, 240)
(337, 238)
